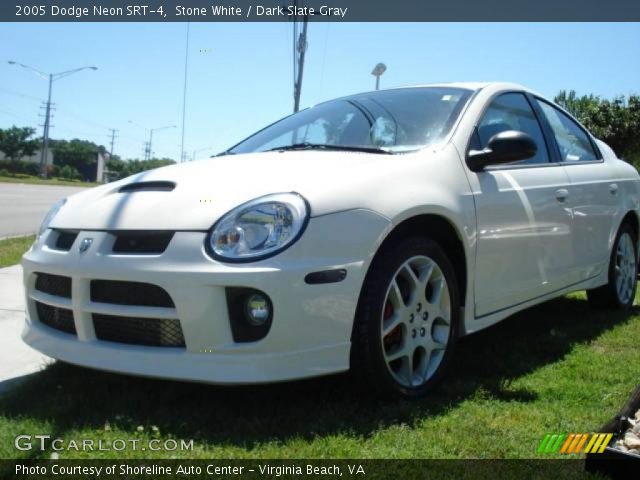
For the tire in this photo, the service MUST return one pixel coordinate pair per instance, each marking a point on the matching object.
(418, 329)
(620, 291)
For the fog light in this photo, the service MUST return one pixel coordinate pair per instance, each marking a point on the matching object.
(257, 309)
(250, 313)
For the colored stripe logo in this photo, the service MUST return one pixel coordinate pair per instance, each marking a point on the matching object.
(574, 443)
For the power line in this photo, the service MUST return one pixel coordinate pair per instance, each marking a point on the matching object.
(20, 94)
(70, 113)
(17, 115)
(324, 56)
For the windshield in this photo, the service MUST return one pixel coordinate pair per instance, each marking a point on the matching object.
(388, 120)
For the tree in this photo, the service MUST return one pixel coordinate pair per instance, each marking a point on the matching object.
(116, 166)
(615, 122)
(125, 168)
(75, 153)
(16, 142)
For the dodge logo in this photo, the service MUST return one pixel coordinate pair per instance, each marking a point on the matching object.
(85, 244)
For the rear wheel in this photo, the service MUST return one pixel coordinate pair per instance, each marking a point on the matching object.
(407, 319)
(620, 291)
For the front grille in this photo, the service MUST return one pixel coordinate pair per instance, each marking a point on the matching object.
(149, 243)
(54, 317)
(129, 293)
(152, 332)
(54, 284)
(65, 240)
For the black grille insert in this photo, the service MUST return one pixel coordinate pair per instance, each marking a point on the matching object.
(54, 317)
(130, 293)
(53, 284)
(142, 242)
(65, 240)
(152, 332)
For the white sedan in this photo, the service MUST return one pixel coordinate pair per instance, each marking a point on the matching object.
(365, 233)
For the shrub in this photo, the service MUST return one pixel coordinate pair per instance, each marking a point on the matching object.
(69, 173)
(31, 168)
(21, 166)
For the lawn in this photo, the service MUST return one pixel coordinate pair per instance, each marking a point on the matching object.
(21, 178)
(559, 367)
(11, 249)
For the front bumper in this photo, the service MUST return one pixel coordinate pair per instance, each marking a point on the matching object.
(309, 335)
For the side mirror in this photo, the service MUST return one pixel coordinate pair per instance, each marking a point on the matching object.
(504, 147)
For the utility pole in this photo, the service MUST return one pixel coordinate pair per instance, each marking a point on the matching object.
(47, 119)
(184, 91)
(113, 140)
(299, 50)
(150, 143)
(148, 152)
(45, 136)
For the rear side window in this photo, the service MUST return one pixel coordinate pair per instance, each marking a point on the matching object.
(512, 111)
(573, 141)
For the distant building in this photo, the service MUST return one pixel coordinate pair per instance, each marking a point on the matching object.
(35, 158)
(94, 172)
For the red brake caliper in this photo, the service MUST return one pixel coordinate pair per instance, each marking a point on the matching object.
(393, 336)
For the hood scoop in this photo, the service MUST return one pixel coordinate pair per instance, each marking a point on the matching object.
(154, 186)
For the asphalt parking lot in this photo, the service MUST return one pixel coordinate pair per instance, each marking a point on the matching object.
(22, 206)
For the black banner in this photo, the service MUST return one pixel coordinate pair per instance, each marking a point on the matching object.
(284, 468)
(318, 10)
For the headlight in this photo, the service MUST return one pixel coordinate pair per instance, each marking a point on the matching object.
(259, 229)
(50, 215)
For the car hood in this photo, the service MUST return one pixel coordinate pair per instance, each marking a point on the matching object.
(207, 189)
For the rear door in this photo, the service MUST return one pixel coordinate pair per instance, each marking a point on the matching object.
(523, 221)
(593, 192)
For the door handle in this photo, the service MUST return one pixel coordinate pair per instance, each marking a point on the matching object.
(562, 194)
(613, 188)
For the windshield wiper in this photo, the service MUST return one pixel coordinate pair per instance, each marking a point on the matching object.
(323, 146)
(222, 154)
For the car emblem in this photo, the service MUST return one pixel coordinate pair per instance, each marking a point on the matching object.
(85, 244)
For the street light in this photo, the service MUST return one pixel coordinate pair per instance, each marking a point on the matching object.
(377, 72)
(193, 156)
(151, 130)
(52, 77)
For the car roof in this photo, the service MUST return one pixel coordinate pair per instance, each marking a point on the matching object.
(492, 87)
(472, 86)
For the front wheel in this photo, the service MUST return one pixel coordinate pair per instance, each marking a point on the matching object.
(407, 319)
(620, 291)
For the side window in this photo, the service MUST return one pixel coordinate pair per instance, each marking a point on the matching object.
(572, 140)
(511, 111)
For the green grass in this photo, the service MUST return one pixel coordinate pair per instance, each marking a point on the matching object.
(21, 178)
(559, 367)
(12, 249)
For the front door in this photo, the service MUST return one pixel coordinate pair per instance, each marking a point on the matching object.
(524, 217)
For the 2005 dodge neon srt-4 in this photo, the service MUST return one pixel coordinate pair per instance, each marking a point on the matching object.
(365, 233)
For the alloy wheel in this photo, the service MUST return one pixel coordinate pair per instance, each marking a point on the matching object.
(625, 268)
(416, 321)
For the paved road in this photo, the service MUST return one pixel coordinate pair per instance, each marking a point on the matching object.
(17, 360)
(23, 206)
